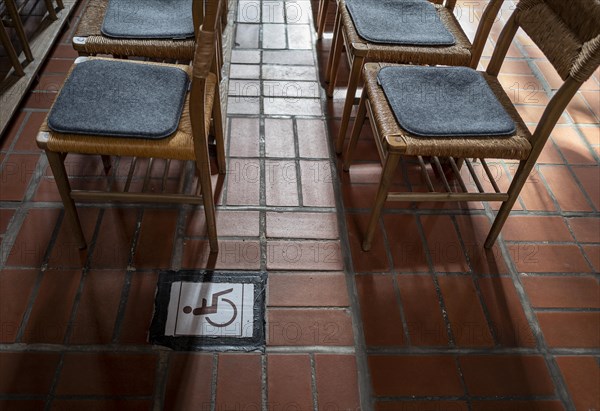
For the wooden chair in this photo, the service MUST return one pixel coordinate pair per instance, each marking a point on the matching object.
(359, 51)
(89, 40)
(188, 142)
(14, 20)
(569, 36)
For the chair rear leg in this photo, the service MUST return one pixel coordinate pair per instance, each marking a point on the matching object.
(517, 184)
(358, 125)
(387, 175)
(335, 52)
(51, 11)
(357, 65)
(10, 50)
(209, 205)
(323, 6)
(219, 137)
(64, 188)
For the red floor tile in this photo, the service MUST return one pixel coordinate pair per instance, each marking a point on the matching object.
(337, 385)
(582, 377)
(304, 327)
(149, 252)
(539, 258)
(380, 310)
(570, 329)
(279, 138)
(506, 314)
(239, 381)
(6, 216)
(406, 376)
(565, 189)
(27, 373)
(444, 246)
(229, 223)
(426, 325)
(572, 146)
(593, 255)
(374, 260)
(233, 254)
(120, 374)
(304, 255)
(586, 230)
(243, 181)
(564, 291)
(17, 171)
(289, 381)
(99, 405)
(16, 287)
(504, 375)
(302, 225)
(97, 309)
(139, 309)
(465, 313)
(407, 249)
(115, 236)
(49, 318)
(533, 228)
(588, 177)
(421, 405)
(517, 406)
(22, 405)
(26, 141)
(307, 290)
(474, 231)
(189, 381)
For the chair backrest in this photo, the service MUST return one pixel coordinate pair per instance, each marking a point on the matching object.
(568, 33)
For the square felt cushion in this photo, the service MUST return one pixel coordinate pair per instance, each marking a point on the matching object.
(120, 99)
(148, 19)
(444, 101)
(402, 22)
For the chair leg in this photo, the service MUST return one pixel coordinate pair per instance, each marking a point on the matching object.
(336, 49)
(106, 163)
(209, 205)
(323, 6)
(60, 4)
(387, 175)
(517, 184)
(64, 188)
(219, 135)
(357, 65)
(358, 125)
(18, 25)
(10, 50)
(51, 11)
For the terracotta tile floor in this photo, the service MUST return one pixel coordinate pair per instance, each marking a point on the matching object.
(428, 320)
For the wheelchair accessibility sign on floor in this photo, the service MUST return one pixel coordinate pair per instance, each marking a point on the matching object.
(209, 311)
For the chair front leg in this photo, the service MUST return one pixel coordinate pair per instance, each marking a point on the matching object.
(322, 17)
(64, 188)
(358, 125)
(219, 135)
(517, 184)
(357, 64)
(387, 175)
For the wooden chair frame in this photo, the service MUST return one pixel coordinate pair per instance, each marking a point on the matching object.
(15, 21)
(202, 71)
(390, 151)
(358, 53)
(88, 39)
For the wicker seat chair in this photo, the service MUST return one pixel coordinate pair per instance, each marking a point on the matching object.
(569, 36)
(89, 40)
(187, 143)
(359, 51)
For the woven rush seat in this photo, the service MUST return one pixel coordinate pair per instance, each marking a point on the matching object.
(179, 145)
(458, 54)
(90, 40)
(394, 138)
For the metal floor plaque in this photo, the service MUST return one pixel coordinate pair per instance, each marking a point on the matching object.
(209, 311)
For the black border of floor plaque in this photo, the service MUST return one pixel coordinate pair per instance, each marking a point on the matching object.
(205, 343)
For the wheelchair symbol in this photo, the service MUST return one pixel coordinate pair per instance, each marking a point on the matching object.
(206, 309)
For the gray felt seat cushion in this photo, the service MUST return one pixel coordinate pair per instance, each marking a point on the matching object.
(120, 99)
(148, 19)
(444, 101)
(403, 22)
